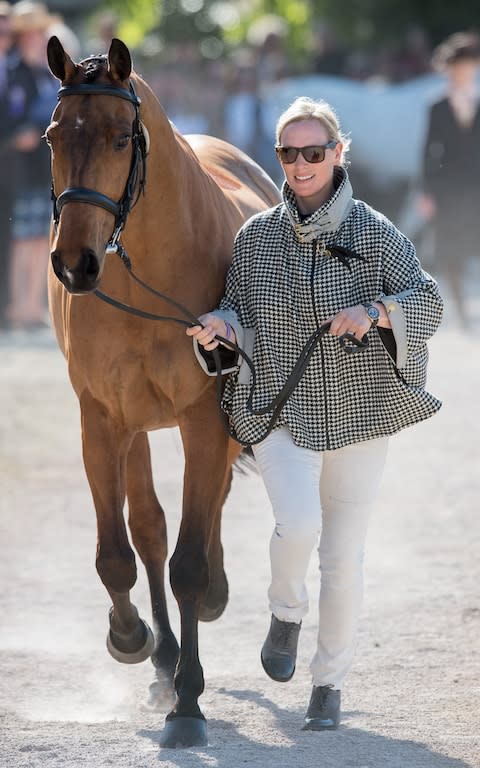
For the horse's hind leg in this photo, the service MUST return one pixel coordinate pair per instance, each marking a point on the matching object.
(149, 533)
(105, 447)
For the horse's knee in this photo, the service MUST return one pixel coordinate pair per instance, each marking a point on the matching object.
(150, 538)
(188, 574)
(117, 573)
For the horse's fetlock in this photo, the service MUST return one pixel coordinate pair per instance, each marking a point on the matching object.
(189, 687)
(125, 626)
(189, 574)
(117, 573)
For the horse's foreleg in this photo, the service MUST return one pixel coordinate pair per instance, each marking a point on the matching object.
(149, 533)
(206, 472)
(215, 600)
(105, 447)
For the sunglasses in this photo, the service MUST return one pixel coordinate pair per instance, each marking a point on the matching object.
(313, 154)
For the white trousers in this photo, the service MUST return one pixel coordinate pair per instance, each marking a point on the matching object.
(326, 498)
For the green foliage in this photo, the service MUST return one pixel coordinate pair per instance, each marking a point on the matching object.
(227, 21)
(357, 23)
(137, 18)
(295, 15)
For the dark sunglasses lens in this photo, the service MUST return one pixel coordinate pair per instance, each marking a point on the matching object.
(288, 154)
(313, 154)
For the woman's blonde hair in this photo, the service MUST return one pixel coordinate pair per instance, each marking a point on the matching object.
(305, 108)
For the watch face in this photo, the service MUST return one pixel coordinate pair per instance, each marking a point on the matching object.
(373, 313)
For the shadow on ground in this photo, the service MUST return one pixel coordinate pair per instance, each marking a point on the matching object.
(348, 747)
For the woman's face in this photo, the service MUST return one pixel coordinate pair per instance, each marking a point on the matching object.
(312, 183)
(463, 73)
(33, 46)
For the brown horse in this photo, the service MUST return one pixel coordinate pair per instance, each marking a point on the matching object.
(132, 375)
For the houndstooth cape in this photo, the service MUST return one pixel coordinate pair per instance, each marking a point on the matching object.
(284, 281)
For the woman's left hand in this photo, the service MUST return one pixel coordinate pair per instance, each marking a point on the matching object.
(354, 320)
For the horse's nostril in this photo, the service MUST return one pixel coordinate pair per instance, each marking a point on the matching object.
(79, 277)
(90, 263)
(57, 263)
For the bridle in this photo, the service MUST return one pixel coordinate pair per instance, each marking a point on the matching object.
(138, 167)
(136, 181)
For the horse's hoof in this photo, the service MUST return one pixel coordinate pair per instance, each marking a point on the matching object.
(135, 657)
(184, 732)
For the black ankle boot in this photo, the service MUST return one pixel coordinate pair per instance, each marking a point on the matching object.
(279, 651)
(323, 712)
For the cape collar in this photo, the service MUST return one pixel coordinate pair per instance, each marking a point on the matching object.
(325, 219)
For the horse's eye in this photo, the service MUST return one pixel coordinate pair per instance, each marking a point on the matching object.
(122, 141)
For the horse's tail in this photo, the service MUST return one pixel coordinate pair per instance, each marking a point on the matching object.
(245, 462)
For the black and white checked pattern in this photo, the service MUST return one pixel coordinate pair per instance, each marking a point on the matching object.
(274, 283)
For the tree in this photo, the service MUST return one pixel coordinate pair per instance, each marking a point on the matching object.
(218, 25)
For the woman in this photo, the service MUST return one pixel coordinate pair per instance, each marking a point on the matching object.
(321, 256)
(451, 165)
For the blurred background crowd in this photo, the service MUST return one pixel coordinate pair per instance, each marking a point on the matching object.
(403, 77)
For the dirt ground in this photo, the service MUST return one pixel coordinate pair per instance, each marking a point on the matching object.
(412, 699)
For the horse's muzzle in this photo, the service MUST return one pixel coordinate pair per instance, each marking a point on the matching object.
(83, 277)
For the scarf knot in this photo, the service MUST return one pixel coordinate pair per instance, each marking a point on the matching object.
(328, 217)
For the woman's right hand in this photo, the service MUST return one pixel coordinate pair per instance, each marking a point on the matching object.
(212, 325)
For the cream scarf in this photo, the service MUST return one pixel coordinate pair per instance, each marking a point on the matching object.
(328, 217)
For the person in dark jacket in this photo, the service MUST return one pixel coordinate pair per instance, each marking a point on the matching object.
(451, 165)
(27, 308)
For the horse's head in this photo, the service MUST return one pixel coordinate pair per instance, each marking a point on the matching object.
(98, 157)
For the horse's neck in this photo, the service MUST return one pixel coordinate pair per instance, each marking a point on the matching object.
(179, 191)
(183, 212)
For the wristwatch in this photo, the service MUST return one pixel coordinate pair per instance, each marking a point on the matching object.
(373, 314)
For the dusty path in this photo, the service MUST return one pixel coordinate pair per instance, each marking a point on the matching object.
(413, 697)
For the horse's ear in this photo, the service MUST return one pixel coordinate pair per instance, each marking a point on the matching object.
(119, 60)
(60, 63)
